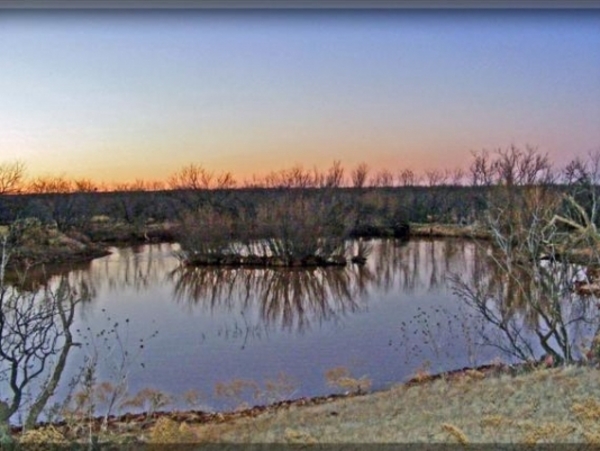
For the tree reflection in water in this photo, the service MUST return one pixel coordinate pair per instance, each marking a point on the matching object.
(35, 341)
(292, 298)
(295, 298)
(421, 264)
(137, 267)
(530, 308)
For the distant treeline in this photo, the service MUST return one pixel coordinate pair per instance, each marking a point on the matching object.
(373, 205)
(377, 201)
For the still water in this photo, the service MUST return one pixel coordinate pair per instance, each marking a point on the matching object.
(200, 327)
(183, 329)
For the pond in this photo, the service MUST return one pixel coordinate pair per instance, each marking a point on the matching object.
(232, 335)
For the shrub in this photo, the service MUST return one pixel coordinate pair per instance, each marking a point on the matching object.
(293, 229)
(168, 431)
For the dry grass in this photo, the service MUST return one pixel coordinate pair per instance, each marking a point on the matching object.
(547, 406)
(560, 405)
(448, 230)
(168, 431)
(43, 438)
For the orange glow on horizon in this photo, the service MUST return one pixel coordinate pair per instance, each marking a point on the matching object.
(249, 167)
(122, 177)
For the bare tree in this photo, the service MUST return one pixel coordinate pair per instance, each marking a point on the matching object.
(50, 185)
(457, 177)
(383, 178)
(529, 296)
(294, 177)
(226, 180)
(11, 177)
(273, 179)
(407, 178)
(435, 177)
(138, 185)
(192, 177)
(254, 182)
(297, 177)
(481, 169)
(359, 175)
(576, 172)
(84, 185)
(335, 175)
(580, 212)
(521, 167)
(155, 185)
(58, 201)
(318, 178)
(104, 187)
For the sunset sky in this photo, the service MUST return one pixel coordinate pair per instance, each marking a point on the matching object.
(117, 95)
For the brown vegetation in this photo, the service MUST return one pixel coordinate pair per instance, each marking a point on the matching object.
(532, 286)
(293, 230)
(476, 231)
(543, 406)
(33, 244)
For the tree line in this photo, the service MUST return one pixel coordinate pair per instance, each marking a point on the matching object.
(482, 170)
(378, 198)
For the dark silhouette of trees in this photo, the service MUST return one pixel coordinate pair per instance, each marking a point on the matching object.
(359, 175)
(11, 177)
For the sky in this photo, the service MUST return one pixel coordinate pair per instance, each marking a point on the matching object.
(118, 95)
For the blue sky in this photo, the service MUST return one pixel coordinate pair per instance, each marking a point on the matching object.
(117, 95)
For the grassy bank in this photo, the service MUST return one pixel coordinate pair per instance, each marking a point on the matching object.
(550, 405)
(557, 405)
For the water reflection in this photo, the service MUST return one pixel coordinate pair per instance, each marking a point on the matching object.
(384, 319)
(291, 298)
(295, 298)
(137, 267)
(530, 308)
(421, 264)
(37, 278)
(36, 337)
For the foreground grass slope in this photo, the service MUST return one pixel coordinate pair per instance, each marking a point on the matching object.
(546, 406)
(557, 405)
